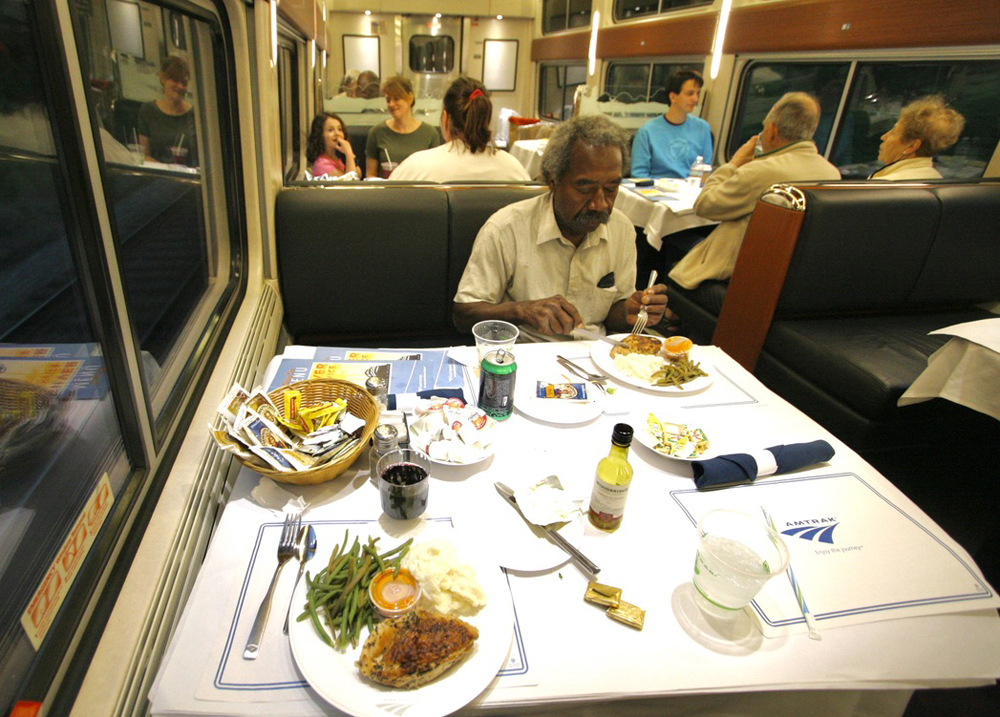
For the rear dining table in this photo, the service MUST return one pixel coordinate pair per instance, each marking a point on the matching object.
(899, 604)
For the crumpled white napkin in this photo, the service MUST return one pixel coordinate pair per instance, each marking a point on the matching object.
(267, 494)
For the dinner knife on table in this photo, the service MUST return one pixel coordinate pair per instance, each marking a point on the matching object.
(554, 536)
(599, 337)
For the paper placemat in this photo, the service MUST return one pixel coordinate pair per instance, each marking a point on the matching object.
(859, 555)
(273, 676)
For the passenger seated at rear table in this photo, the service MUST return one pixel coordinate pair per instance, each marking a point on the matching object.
(925, 127)
(731, 192)
(392, 141)
(166, 126)
(328, 151)
(668, 145)
(468, 153)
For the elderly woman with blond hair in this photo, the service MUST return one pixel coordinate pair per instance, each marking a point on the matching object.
(925, 127)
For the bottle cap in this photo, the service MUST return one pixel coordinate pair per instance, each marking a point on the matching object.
(622, 435)
(386, 437)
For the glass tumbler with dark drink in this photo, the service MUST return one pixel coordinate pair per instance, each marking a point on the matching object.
(403, 483)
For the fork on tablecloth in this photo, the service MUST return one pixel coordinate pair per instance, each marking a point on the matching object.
(286, 551)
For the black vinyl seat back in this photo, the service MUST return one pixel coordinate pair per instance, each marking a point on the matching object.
(878, 244)
(363, 260)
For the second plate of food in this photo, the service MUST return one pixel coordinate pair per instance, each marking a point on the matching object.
(642, 366)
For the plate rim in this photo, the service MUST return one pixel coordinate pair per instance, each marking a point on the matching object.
(643, 433)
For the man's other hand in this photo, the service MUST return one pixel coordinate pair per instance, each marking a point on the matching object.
(551, 316)
(654, 299)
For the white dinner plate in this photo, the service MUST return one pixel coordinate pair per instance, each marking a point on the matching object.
(600, 352)
(336, 678)
(553, 410)
(416, 439)
(643, 436)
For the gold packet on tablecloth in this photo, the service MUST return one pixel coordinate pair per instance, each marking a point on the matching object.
(603, 594)
(630, 614)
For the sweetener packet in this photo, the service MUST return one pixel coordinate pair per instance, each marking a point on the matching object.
(563, 391)
(229, 443)
(231, 404)
(260, 402)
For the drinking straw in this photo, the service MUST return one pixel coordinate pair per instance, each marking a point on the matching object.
(180, 142)
(388, 159)
(797, 589)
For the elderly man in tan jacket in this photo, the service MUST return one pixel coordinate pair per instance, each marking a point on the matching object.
(732, 191)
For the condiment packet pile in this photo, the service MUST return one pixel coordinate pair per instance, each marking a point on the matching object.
(545, 502)
(448, 430)
(308, 438)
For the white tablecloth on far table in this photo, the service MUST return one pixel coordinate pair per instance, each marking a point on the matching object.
(855, 669)
(965, 370)
(662, 217)
(529, 153)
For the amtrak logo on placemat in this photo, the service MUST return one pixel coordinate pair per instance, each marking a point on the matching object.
(819, 530)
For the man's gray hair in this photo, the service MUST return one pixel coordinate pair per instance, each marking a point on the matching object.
(795, 115)
(595, 130)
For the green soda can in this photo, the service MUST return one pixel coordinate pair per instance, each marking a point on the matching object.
(496, 384)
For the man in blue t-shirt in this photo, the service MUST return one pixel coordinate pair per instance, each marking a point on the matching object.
(667, 146)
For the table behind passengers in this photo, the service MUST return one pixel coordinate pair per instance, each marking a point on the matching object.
(565, 653)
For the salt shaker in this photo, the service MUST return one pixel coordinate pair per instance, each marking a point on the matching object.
(379, 390)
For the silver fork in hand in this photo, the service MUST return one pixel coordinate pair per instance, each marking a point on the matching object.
(643, 318)
(286, 551)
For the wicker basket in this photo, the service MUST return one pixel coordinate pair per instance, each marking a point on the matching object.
(359, 402)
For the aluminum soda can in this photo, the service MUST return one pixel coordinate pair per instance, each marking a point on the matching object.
(497, 373)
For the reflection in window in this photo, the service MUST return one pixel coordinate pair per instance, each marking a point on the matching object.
(642, 81)
(564, 14)
(625, 9)
(288, 107)
(173, 247)
(432, 53)
(59, 431)
(557, 88)
(850, 134)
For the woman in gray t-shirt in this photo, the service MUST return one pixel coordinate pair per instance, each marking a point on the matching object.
(392, 141)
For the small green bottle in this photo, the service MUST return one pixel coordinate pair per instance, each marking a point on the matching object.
(614, 475)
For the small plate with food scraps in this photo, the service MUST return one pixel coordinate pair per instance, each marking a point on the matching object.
(468, 663)
(675, 440)
(454, 435)
(552, 394)
(662, 365)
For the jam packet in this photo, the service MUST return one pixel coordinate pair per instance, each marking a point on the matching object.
(563, 391)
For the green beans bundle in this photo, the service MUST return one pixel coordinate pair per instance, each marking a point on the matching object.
(338, 603)
(678, 372)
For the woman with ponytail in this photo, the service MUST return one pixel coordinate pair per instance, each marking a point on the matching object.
(468, 153)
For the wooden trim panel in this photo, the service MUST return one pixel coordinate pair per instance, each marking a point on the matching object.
(862, 24)
(757, 280)
(689, 35)
(569, 46)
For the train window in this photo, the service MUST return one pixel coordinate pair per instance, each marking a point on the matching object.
(288, 106)
(564, 14)
(625, 9)
(765, 82)
(169, 180)
(642, 81)
(850, 131)
(557, 88)
(432, 53)
(881, 89)
(61, 443)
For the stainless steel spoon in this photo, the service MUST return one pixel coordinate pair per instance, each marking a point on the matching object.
(306, 552)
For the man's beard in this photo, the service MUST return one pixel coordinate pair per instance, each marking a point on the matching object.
(587, 221)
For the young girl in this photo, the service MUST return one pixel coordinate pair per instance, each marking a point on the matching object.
(328, 151)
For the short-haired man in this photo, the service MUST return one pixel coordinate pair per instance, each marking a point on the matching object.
(732, 191)
(564, 259)
(667, 146)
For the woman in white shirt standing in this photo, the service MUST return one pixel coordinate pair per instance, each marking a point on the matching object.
(468, 153)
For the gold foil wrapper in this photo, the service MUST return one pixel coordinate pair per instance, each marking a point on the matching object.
(600, 594)
(628, 613)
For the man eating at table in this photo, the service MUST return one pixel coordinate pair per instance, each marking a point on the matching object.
(565, 259)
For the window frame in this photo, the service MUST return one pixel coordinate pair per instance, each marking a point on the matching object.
(565, 26)
(661, 10)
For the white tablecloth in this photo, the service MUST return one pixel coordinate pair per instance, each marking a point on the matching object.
(965, 370)
(663, 217)
(529, 153)
(565, 652)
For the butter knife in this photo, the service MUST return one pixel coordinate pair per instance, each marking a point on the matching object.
(599, 337)
(553, 535)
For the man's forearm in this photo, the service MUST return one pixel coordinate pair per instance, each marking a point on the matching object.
(466, 314)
